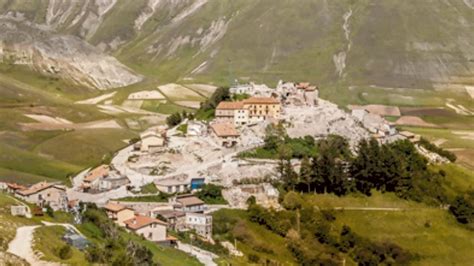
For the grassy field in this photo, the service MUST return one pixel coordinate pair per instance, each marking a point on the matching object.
(431, 234)
(252, 239)
(48, 241)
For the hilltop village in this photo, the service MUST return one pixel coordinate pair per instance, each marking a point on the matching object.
(178, 161)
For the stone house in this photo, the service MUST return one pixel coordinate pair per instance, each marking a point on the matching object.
(43, 194)
(225, 134)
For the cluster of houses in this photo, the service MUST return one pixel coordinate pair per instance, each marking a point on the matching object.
(182, 213)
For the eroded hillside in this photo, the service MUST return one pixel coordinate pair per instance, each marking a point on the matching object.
(383, 43)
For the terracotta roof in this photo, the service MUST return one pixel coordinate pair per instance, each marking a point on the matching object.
(140, 221)
(189, 200)
(100, 171)
(261, 100)
(114, 207)
(230, 105)
(225, 130)
(16, 186)
(37, 188)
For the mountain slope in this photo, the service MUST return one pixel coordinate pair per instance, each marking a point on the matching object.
(369, 42)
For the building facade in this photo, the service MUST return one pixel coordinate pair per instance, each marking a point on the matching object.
(201, 223)
(45, 194)
(250, 110)
(150, 228)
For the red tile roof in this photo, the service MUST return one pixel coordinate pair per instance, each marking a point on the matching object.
(140, 221)
(100, 171)
(16, 186)
(230, 105)
(261, 100)
(114, 207)
(37, 188)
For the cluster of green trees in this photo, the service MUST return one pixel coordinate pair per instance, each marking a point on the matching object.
(313, 239)
(207, 109)
(392, 167)
(113, 248)
(211, 194)
(176, 118)
(431, 147)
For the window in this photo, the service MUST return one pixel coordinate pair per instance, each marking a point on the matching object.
(150, 235)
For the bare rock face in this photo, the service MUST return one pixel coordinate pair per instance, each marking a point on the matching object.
(65, 56)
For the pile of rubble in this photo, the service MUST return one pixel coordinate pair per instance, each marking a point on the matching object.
(265, 195)
(322, 120)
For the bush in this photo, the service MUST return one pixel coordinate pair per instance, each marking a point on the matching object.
(463, 208)
(433, 148)
(65, 252)
(211, 194)
(254, 258)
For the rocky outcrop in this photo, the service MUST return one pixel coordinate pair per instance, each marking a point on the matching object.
(65, 56)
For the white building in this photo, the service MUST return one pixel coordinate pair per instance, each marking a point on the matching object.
(201, 223)
(175, 184)
(152, 140)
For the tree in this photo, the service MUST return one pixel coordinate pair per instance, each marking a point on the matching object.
(65, 252)
(174, 119)
(463, 208)
(360, 168)
(305, 173)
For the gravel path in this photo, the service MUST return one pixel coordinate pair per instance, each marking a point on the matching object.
(205, 257)
(22, 244)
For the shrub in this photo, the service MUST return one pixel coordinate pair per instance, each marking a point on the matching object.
(65, 252)
(254, 258)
